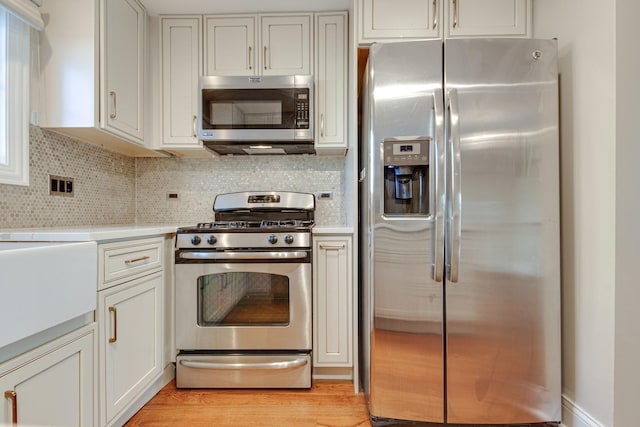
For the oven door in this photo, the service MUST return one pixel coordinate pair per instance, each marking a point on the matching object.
(242, 306)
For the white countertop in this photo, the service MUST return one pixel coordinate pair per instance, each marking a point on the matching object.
(325, 229)
(85, 234)
(111, 232)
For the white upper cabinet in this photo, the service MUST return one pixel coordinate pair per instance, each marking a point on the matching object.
(394, 20)
(258, 44)
(381, 20)
(124, 56)
(509, 18)
(286, 44)
(92, 59)
(231, 45)
(181, 53)
(331, 82)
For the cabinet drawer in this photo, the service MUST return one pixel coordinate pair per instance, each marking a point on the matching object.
(129, 259)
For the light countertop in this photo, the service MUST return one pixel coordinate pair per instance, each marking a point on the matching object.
(112, 232)
(85, 234)
(324, 229)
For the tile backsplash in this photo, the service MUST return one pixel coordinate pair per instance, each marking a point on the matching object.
(104, 186)
(197, 181)
(112, 188)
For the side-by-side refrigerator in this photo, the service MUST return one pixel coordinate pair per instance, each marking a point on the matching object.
(460, 232)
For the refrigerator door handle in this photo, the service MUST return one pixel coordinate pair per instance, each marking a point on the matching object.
(456, 191)
(439, 190)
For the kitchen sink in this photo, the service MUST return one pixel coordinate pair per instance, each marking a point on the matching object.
(43, 284)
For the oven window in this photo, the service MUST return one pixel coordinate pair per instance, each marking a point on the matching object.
(243, 299)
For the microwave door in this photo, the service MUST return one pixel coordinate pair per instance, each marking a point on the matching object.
(272, 110)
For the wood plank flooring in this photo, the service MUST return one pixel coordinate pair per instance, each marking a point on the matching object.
(326, 404)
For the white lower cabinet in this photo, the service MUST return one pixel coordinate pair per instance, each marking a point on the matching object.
(130, 317)
(333, 300)
(52, 385)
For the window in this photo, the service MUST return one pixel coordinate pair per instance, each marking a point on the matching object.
(15, 36)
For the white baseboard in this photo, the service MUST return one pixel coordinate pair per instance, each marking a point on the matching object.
(574, 416)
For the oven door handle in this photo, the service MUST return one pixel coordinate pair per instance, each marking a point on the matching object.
(243, 255)
(288, 364)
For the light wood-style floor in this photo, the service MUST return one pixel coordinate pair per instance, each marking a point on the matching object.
(326, 404)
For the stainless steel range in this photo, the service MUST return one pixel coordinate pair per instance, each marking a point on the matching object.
(243, 293)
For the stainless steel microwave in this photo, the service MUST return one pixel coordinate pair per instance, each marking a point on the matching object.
(256, 114)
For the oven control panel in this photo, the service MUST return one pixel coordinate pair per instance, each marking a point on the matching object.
(244, 240)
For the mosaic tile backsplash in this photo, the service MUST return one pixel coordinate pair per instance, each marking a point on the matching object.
(197, 181)
(104, 186)
(115, 189)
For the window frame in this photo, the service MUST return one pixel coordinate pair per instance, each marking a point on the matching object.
(15, 100)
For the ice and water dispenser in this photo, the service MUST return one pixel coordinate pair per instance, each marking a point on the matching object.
(406, 176)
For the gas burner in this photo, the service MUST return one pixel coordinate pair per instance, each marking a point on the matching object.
(246, 218)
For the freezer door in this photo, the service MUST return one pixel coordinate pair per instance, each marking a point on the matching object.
(503, 288)
(403, 306)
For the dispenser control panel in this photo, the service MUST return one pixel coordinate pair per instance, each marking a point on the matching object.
(406, 152)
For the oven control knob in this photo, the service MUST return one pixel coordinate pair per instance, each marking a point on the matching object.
(212, 240)
(196, 240)
(288, 239)
(273, 239)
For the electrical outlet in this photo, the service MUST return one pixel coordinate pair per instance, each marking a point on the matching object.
(172, 195)
(324, 195)
(61, 186)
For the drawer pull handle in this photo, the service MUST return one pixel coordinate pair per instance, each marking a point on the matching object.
(115, 325)
(13, 397)
(133, 261)
(330, 246)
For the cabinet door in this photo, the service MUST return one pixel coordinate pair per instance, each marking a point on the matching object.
(130, 317)
(286, 44)
(332, 299)
(386, 20)
(124, 29)
(180, 70)
(331, 83)
(230, 46)
(488, 18)
(55, 387)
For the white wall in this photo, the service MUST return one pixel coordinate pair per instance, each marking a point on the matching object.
(586, 41)
(627, 337)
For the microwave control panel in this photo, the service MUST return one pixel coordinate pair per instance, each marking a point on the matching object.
(302, 108)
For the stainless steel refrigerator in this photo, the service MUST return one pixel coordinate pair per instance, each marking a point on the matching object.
(460, 232)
